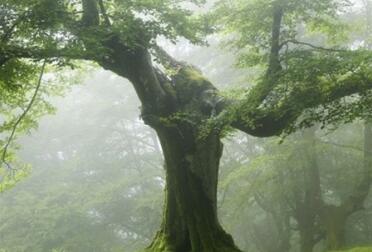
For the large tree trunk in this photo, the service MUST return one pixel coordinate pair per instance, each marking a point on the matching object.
(190, 220)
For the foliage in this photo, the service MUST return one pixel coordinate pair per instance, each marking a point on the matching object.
(264, 180)
(9, 180)
(133, 20)
(25, 99)
(311, 74)
(100, 191)
(251, 22)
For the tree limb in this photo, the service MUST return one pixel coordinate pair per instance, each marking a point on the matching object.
(272, 121)
(274, 62)
(90, 13)
(8, 33)
(165, 59)
(104, 13)
(342, 145)
(293, 41)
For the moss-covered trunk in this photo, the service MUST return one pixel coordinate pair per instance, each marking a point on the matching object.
(190, 220)
(177, 107)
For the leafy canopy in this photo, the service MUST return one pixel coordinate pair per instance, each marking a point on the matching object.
(251, 21)
(310, 58)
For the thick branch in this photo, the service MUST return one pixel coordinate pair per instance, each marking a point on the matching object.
(167, 60)
(256, 116)
(135, 64)
(271, 121)
(260, 92)
(129, 61)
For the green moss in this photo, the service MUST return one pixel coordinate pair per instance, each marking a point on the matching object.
(358, 249)
(192, 74)
(160, 244)
(189, 84)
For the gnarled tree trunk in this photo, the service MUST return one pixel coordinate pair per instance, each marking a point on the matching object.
(190, 220)
(176, 107)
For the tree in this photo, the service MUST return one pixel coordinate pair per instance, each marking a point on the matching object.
(183, 107)
(296, 180)
(318, 219)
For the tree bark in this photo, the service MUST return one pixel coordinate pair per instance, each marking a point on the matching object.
(190, 221)
(176, 109)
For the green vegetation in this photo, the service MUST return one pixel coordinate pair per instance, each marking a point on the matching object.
(358, 250)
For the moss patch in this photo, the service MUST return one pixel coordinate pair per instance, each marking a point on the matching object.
(359, 249)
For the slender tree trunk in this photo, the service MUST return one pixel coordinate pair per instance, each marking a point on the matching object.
(334, 221)
(190, 220)
(306, 240)
(308, 205)
(334, 218)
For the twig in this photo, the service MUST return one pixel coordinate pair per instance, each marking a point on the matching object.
(342, 145)
(19, 120)
(8, 32)
(311, 45)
